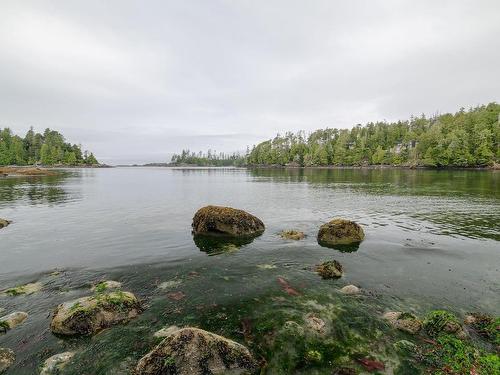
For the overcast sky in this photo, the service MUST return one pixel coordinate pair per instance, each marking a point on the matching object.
(134, 81)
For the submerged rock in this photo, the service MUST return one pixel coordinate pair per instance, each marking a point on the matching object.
(7, 358)
(26, 289)
(88, 315)
(292, 235)
(105, 285)
(340, 232)
(330, 269)
(441, 321)
(226, 221)
(350, 289)
(167, 331)
(4, 223)
(193, 351)
(12, 320)
(55, 364)
(403, 321)
(315, 323)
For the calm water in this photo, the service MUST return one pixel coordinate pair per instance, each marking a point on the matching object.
(432, 237)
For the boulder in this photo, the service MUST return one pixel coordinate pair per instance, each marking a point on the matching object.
(403, 321)
(292, 234)
(193, 351)
(7, 358)
(12, 320)
(55, 364)
(4, 223)
(330, 269)
(88, 315)
(226, 221)
(350, 289)
(340, 232)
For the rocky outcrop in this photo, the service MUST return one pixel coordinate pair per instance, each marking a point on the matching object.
(26, 289)
(26, 171)
(7, 358)
(340, 232)
(88, 315)
(403, 321)
(55, 364)
(12, 320)
(226, 221)
(4, 223)
(193, 351)
(292, 234)
(330, 269)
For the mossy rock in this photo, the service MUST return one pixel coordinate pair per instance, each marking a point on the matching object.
(4, 223)
(292, 234)
(25, 289)
(406, 322)
(486, 326)
(440, 321)
(193, 351)
(226, 221)
(330, 269)
(12, 320)
(55, 364)
(340, 232)
(88, 315)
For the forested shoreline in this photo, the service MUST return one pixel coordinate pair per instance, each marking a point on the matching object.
(461, 140)
(49, 149)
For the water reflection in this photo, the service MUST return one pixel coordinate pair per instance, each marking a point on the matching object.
(217, 244)
(35, 189)
(343, 248)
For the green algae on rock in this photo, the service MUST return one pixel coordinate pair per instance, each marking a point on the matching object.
(292, 234)
(106, 285)
(26, 289)
(55, 364)
(486, 326)
(4, 223)
(340, 232)
(12, 320)
(7, 358)
(226, 221)
(331, 269)
(193, 351)
(441, 321)
(88, 315)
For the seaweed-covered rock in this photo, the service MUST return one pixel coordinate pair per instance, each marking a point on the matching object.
(106, 285)
(88, 315)
(55, 364)
(330, 269)
(4, 223)
(26, 289)
(403, 321)
(292, 234)
(12, 320)
(193, 351)
(226, 221)
(7, 358)
(441, 321)
(340, 232)
(485, 325)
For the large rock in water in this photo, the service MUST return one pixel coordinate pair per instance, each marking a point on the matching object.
(340, 232)
(227, 221)
(88, 315)
(4, 223)
(193, 351)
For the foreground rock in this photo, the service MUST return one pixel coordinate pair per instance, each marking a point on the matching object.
(227, 221)
(55, 364)
(88, 315)
(340, 232)
(4, 223)
(12, 320)
(403, 321)
(292, 235)
(193, 351)
(441, 321)
(26, 289)
(7, 358)
(330, 269)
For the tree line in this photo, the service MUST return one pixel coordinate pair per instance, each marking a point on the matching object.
(467, 138)
(49, 148)
(208, 159)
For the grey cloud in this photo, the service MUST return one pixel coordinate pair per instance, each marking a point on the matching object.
(139, 80)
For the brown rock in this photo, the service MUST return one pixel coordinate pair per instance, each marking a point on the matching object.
(226, 221)
(340, 232)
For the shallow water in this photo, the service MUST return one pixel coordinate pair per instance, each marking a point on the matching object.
(431, 241)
